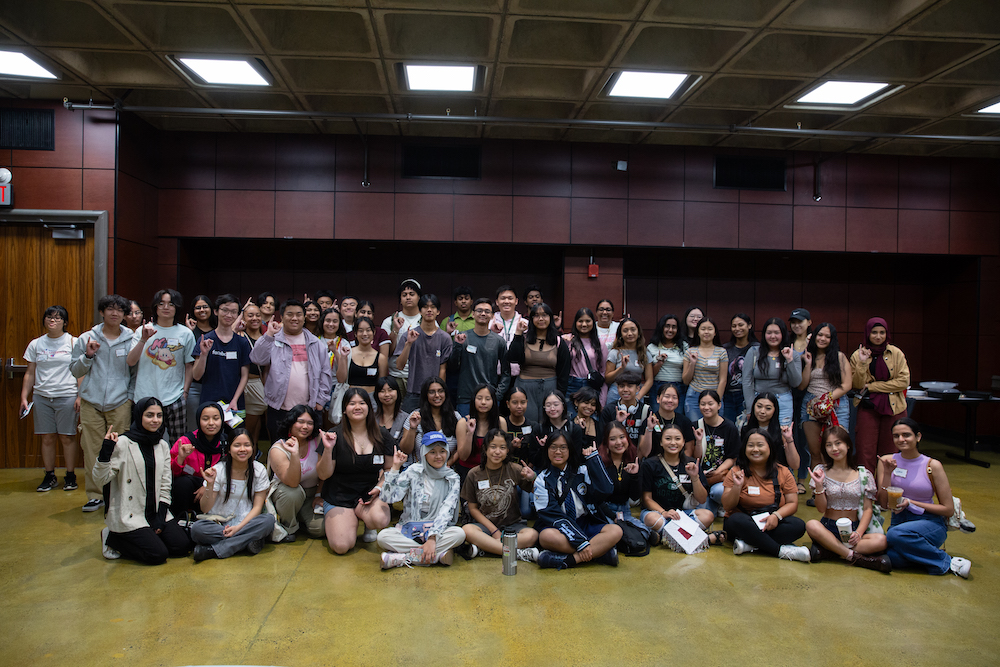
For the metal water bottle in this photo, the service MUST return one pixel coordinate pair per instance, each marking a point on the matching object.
(509, 541)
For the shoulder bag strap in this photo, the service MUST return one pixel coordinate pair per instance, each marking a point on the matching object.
(670, 471)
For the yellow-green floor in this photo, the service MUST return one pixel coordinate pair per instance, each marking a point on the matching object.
(298, 604)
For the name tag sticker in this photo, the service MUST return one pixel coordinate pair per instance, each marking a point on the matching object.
(278, 343)
(899, 472)
(371, 371)
(684, 479)
(718, 441)
(471, 349)
(120, 352)
(712, 363)
(753, 490)
(378, 459)
(526, 430)
(353, 343)
(172, 342)
(484, 484)
(230, 355)
(188, 470)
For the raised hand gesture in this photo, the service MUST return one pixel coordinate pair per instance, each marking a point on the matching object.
(738, 476)
(414, 419)
(557, 322)
(184, 451)
(787, 353)
(652, 421)
(399, 322)
(522, 326)
(471, 423)
(291, 445)
(699, 434)
(527, 472)
(210, 474)
(864, 354)
(204, 344)
(621, 415)
(516, 442)
(589, 450)
(273, 327)
(460, 337)
(818, 476)
(412, 335)
(329, 439)
(807, 357)
(693, 354)
(398, 459)
(786, 432)
(111, 435)
(191, 323)
(625, 359)
(633, 468)
(691, 468)
(344, 350)
(92, 347)
(147, 331)
(888, 462)
(496, 327)
(450, 327)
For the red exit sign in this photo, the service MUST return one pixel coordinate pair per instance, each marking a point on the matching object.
(5, 194)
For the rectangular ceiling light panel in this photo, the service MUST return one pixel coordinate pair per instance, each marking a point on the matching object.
(460, 78)
(225, 72)
(14, 63)
(993, 108)
(659, 85)
(841, 92)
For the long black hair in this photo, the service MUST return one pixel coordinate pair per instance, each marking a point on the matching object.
(772, 457)
(492, 416)
(449, 421)
(371, 425)
(380, 384)
(751, 336)
(831, 368)
(657, 338)
(576, 346)
(765, 348)
(227, 460)
(773, 426)
(550, 332)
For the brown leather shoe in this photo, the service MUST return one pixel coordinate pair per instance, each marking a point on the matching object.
(878, 563)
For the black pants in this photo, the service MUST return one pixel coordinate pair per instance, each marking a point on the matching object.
(145, 546)
(182, 490)
(741, 526)
(275, 417)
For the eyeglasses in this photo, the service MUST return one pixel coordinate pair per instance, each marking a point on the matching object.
(229, 311)
(558, 448)
(165, 304)
(435, 392)
(304, 422)
(483, 311)
(54, 318)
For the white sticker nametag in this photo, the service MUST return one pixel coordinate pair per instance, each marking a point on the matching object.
(278, 343)
(484, 484)
(354, 343)
(718, 441)
(684, 479)
(172, 342)
(188, 470)
(471, 349)
(371, 371)
(753, 490)
(378, 459)
(120, 352)
(712, 363)
(526, 430)
(230, 355)
(899, 472)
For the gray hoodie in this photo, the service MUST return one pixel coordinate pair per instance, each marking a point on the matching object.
(107, 379)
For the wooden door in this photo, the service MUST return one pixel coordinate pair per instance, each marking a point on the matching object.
(37, 271)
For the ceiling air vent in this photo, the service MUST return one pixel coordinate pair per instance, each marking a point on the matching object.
(28, 129)
(750, 173)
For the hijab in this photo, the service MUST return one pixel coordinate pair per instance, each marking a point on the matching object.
(137, 433)
(211, 447)
(436, 479)
(877, 367)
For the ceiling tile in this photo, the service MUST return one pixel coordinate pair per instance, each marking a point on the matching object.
(532, 109)
(188, 124)
(152, 97)
(117, 67)
(935, 100)
(635, 112)
(524, 132)
(334, 75)
(347, 103)
(192, 28)
(901, 59)
(742, 91)
(314, 31)
(904, 147)
(711, 116)
(547, 82)
(63, 22)
(347, 127)
(438, 36)
(850, 15)
(889, 124)
(275, 125)
(562, 41)
(753, 12)
(681, 48)
(982, 70)
(452, 130)
(960, 18)
(610, 9)
(973, 150)
(438, 105)
(963, 127)
(251, 100)
(796, 53)
(811, 120)
(431, 5)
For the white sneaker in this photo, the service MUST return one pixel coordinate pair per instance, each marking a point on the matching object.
(741, 547)
(961, 566)
(391, 559)
(370, 536)
(528, 555)
(792, 552)
(111, 554)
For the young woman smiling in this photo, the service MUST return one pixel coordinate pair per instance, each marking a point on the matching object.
(586, 353)
(665, 352)
(543, 357)
(775, 367)
(471, 431)
(362, 365)
(826, 380)
(628, 353)
(742, 340)
(704, 367)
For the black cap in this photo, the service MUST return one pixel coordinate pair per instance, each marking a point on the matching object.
(800, 314)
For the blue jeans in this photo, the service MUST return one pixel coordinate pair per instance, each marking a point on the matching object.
(613, 395)
(691, 410)
(916, 540)
(527, 503)
(714, 500)
(732, 405)
(785, 409)
(463, 409)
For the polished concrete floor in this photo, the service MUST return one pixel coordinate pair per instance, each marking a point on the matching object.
(297, 604)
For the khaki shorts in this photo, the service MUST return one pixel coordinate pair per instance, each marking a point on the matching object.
(253, 397)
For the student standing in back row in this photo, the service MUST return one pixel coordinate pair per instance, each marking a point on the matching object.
(162, 354)
(100, 358)
(427, 347)
(223, 365)
(397, 325)
(478, 356)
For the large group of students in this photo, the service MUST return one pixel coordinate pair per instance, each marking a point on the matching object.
(580, 436)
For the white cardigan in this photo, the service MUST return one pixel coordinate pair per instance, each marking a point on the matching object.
(126, 472)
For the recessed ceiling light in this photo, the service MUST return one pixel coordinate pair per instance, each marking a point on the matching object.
(441, 77)
(993, 108)
(661, 85)
(226, 72)
(17, 64)
(841, 92)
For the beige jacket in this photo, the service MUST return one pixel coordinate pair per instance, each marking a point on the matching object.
(126, 472)
(899, 377)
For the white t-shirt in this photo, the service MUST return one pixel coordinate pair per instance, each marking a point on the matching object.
(607, 336)
(410, 322)
(52, 357)
(239, 504)
(161, 367)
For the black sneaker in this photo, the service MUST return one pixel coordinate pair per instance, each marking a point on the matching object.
(69, 483)
(811, 502)
(93, 505)
(48, 483)
(255, 546)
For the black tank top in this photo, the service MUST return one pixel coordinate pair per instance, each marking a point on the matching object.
(363, 376)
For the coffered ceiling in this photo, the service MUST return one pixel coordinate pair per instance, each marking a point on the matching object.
(544, 60)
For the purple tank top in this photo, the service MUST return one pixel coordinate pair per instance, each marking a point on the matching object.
(916, 485)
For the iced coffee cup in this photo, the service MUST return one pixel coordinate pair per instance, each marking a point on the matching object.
(895, 495)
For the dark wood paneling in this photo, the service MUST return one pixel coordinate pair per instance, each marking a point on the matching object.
(99, 137)
(187, 212)
(541, 219)
(48, 188)
(351, 161)
(304, 214)
(765, 226)
(599, 221)
(99, 192)
(655, 223)
(480, 218)
(594, 172)
(871, 229)
(305, 162)
(819, 228)
(699, 178)
(873, 181)
(827, 302)
(974, 233)
(424, 217)
(244, 161)
(656, 172)
(924, 183)
(68, 151)
(542, 169)
(186, 160)
(244, 213)
(497, 177)
(832, 180)
(364, 215)
(975, 185)
(923, 232)
(711, 225)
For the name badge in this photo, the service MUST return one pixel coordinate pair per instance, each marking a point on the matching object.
(657, 428)
(230, 355)
(120, 352)
(753, 490)
(172, 342)
(718, 441)
(188, 470)
(278, 343)
(684, 479)
(471, 349)
(353, 343)
(371, 371)
(899, 472)
(526, 430)
(712, 363)
(378, 459)
(484, 484)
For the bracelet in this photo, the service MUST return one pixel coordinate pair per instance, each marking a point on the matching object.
(819, 493)
(777, 516)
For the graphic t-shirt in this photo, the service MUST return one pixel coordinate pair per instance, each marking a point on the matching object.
(495, 492)
(735, 372)
(52, 357)
(161, 367)
(298, 377)
(223, 368)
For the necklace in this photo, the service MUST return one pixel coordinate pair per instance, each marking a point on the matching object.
(489, 476)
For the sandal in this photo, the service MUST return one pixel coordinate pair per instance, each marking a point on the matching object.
(802, 488)
(717, 538)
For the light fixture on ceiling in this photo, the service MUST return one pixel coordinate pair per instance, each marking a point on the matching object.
(844, 95)
(441, 78)
(15, 63)
(224, 72)
(993, 108)
(658, 85)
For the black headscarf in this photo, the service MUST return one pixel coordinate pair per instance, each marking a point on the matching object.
(210, 447)
(146, 440)
(137, 433)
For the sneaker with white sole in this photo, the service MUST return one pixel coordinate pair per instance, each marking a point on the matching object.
(48, 483)
(391, 559)
(69, 482)
(93, 505)
(792, 552)
(741, 547)
(370, 536)
(108, 552)
(961, 566)
(528, 555)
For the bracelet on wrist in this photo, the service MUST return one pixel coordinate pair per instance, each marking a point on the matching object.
(820, 493)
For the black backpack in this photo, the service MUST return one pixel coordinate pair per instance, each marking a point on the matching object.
(633, 542)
